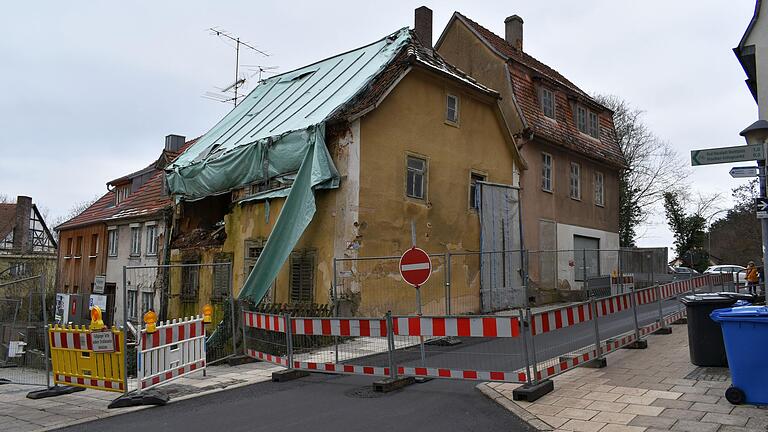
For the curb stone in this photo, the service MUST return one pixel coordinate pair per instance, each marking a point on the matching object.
(532, 421)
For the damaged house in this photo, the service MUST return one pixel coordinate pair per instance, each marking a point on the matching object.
(338, 159)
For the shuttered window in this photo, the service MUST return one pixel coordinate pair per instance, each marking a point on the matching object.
(302, 275)
(190, 279)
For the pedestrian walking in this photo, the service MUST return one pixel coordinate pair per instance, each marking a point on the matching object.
(752, 277)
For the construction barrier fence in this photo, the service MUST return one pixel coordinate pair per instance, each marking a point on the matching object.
(85, 358)
(171, 350)
(519, 346)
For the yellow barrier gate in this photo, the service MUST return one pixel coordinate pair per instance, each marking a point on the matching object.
(88, 358)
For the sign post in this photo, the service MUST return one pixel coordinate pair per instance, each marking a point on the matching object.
(755, 150)
(415, 268)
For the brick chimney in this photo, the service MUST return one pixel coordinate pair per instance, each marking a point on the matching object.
(513, 31)
(21, 243)
(422, 25)
(174, 142)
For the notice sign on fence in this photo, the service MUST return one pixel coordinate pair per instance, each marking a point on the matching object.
(103, 341)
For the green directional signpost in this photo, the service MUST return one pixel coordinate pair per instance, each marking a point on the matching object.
(755, 150)
(727, 155)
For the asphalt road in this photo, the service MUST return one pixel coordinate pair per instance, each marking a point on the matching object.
(323, 403)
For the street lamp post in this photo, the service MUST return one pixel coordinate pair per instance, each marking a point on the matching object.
(757, 134)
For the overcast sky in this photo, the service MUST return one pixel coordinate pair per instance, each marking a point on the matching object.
(88, 90)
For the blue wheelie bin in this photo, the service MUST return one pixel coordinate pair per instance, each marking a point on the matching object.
(745, 332)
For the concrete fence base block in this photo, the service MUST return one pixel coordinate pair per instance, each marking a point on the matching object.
(53, 391)
(683, 320)
(146, 397)
(422, 380)
(663, 331)
(240, 360)
(387, 385)
(532, 392)
(288, 375)
(4, 381)
(638, 344)
(597, 363)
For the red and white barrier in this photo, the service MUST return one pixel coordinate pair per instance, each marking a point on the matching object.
(465, 374)
(489, 327)
(100, 383)
(278, 360)
(61, 338)
(365, 327)
(545, 322)
(264, 321)
(175, 349)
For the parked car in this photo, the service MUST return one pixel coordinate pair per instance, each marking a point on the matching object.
(739, 274)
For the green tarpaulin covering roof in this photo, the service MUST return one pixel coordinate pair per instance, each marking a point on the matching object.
(278, 131)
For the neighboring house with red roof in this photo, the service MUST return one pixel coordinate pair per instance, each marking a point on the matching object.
(125, 227)
(570, 194)
(27, 247)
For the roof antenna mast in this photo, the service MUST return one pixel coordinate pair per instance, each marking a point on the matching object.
(238, 81)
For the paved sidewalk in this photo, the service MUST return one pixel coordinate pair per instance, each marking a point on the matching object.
(641, 390)
(17, 413)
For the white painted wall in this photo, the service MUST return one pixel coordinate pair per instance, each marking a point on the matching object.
(609, 241)
(136, 277)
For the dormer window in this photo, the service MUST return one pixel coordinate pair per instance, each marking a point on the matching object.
(121, 193)
(547, 101)
(587, 121)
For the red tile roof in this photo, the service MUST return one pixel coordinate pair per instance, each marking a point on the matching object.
(525, 71)
(148, 200)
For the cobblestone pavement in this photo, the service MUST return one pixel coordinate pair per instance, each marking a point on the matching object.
(640, 390)
(17, 413)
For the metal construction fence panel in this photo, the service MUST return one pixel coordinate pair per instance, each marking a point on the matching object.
(174, 349)
(25, 308)
(77, 361)
(177, 291)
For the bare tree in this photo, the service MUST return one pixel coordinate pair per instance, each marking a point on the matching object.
(654, 167)
(73, 211)
(4, 198)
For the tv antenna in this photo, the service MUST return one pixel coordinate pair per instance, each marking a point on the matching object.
(259, 69)
(238, 80)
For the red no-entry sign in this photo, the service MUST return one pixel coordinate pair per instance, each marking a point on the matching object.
(415, 266)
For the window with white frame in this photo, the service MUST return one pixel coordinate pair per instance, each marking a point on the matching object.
(587, 121)
(151, 239)
(121, 193)
(132, 313)
(452, 109)
(147, 302)
(581, 118)
(416, 178)
(546, 172)
(594, 125)
(575, 181)
(135, 241)
(112, 239)
(599, 189)
(547, 100)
